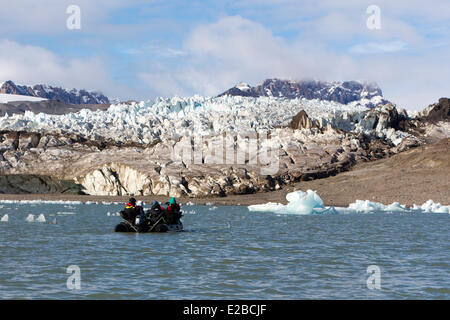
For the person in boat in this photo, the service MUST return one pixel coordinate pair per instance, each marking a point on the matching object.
(130, 212)
(173, 211)
(141, 221)
(155, 213)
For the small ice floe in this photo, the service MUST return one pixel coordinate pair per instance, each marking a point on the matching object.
(30, 218)
(212, 208)
(190, 204)
(65, 212)
(189, 212)
(108, 213)
(5, 218)
(431, 206)
(40, 218)
(309, 202)
(209, 204)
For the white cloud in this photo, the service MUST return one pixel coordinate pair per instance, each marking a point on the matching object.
(380, 47)
(31, 65)
(327, 40)
(155, 51)
(236, 49)
(49, 16)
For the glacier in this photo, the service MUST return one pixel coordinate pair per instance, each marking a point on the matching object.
(309, 202)
(170, 118)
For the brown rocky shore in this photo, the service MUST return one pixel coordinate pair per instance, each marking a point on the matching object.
(411, 177)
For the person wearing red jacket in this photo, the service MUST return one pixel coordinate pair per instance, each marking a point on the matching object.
(173, 211)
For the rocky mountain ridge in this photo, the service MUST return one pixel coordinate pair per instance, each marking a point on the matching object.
(73, 96)
(345, 92)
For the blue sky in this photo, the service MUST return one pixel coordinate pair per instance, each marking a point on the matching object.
(141, 49)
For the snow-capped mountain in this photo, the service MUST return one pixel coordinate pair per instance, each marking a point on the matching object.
(73, 96)
(366, 94)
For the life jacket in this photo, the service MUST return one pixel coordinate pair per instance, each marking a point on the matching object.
(129, 205)
(129, 213)
(173, 208)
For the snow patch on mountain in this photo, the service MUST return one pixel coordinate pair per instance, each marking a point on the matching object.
(5, 98)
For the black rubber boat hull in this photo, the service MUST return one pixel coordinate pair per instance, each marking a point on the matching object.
(126, 227)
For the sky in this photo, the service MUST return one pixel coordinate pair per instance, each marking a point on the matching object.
(135, 49)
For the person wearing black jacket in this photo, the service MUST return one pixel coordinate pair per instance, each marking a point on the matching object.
(130, 212)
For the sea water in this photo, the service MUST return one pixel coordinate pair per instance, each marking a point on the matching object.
(225, 253)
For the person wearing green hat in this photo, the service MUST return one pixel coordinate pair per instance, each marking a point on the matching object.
(173, 211)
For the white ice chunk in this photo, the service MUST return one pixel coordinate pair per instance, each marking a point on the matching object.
(309, 202)
(5, 218)
(430, 206)
(30, 218)
(396, 207)
(41, 218)
(300, 202)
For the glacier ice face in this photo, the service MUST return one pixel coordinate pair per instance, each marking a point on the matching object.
(146, 122)
(309, 202)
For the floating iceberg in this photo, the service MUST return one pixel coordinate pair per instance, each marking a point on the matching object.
(300, 202)
(309, 202)
(30, 218)
(41, 218)
(368, 206)
(5, 218)
(362, 206)
(430, 206)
